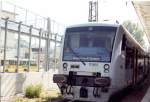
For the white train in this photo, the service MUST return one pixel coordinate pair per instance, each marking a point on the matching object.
(99, 60)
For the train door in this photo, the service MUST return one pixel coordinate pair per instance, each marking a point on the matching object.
(129, 60)
(140, 67)
(148, 64)
(129, 65)
(135, 69)
(145, 66)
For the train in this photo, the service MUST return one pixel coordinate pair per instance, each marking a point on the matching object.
(99, 60)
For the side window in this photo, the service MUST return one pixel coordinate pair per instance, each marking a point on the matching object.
(123, 43)
(129, 57)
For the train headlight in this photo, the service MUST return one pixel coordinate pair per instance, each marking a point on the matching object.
(106, 68)
(65, 65)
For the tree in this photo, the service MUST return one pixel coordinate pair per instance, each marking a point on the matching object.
(135, 30)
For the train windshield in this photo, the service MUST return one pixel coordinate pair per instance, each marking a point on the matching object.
(88, 44)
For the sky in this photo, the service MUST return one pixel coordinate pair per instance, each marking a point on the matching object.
(69, 12)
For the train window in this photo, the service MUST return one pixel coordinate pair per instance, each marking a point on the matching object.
(93, 45)
(123, 43)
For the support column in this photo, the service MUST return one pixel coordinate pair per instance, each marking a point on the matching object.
(5, 43)
(18, 49)
(48, 45)
(55, 52)
(29, 60)
(39, 52)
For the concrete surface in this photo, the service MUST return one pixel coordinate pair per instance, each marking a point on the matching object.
(146, 98)
(13, 83)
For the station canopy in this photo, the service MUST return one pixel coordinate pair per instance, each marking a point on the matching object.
(143, 11)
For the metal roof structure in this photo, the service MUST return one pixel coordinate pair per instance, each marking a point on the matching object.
(142, 9)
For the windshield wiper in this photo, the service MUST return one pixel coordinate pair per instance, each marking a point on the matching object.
(76, 55)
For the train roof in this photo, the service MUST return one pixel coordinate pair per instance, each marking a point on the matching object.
(132, 39)
(94, 24)
(129, 36)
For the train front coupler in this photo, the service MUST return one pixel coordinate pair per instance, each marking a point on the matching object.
(66, 83)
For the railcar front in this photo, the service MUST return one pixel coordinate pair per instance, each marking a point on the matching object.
(85, 71)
